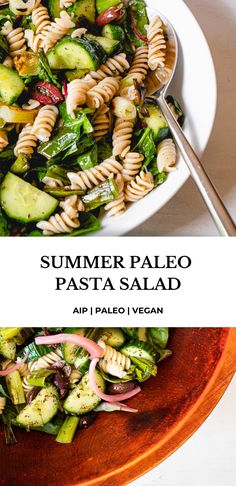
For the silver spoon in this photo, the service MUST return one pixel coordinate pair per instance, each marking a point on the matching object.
(157, 84)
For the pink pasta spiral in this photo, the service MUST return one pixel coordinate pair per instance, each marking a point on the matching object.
(122, 137)
(92, 177)
(131, 165)
(64, 222)
(117, 206)
(156, 45)
(139, 187)
(102, 93)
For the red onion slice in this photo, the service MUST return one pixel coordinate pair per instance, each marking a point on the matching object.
(15, 367)
(104, 396)
(90, 346)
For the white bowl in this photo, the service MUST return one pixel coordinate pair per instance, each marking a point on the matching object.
(194, 85)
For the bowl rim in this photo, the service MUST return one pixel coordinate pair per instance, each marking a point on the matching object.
(189, 423)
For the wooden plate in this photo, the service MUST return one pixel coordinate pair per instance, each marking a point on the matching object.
(120, 447)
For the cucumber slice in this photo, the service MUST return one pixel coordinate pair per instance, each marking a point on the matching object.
(102, 5)
(24, 202)
(41, 410)
(85, 8)
(156, 122)
(140, 350)
(69, 350)
(110, 46)
(11, 85)
(7, 348)
(73, 54)
(76, 74)
(114, 32)
(82, 399)
(113, 336)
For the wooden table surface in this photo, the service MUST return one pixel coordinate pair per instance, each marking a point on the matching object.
(185, 214)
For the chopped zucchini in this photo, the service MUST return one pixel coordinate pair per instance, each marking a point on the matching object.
(11, 85)
(85, 8)
(72, 53)
(113, 336)
(112, 31)
(54, 8)
(15, 388)
(24, 202)
(82, 398)
(156, 122)
(139, 349)
(7, 347)
(102, 5)
(69, 350)
(110, 46)
(27, 64)
(76, 74)
(41, 410)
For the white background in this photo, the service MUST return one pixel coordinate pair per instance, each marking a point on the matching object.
(208, 458)
(185, 214)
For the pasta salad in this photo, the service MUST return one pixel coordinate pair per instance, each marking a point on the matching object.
(77, 134)
(56, 380)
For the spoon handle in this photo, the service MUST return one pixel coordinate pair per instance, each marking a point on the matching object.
(218, 211)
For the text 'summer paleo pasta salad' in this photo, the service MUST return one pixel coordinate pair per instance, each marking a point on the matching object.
(55, 380)
(76, 132)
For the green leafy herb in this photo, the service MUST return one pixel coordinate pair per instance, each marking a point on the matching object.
(146, 146)
(45, 72)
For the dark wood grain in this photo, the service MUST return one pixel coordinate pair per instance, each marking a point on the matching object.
(119, 447)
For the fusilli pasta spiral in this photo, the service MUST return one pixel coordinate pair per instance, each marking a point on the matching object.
(52, 182)
(44, 122)
(3, 140)
(122, 137)
(131, 165)
(16, 41)
(113, 362)
(101, 122)
(40, 18)
(45, 361)
(77, 91)
(139, 187)
(2, 404)
(66, 3)
(166, 155)
(26, 142)
(64, 222)
(56, 30)
(92, 177)
(139, 67)
(31, 105)
(156, 45)
(102, 93)
(114, 66)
